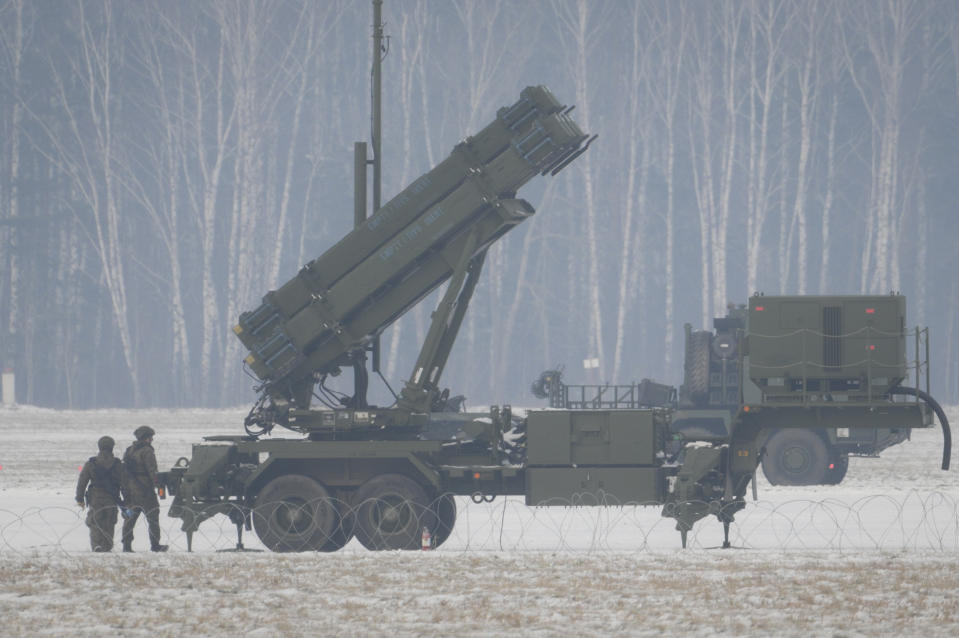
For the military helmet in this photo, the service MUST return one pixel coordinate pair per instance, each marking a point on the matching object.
(106, 443)
(143, 432)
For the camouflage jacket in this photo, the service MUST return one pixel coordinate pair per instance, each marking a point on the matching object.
(104, 476)
(140, 463)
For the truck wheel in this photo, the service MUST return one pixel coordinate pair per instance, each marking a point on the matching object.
(697, 367)
(343, 531)
(294, 513)
(796, 457)
(391, 512)
(445, 509)
(837, 473)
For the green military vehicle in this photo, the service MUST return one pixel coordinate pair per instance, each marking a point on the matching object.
(384, 474)
(802, 350)
(388, 476)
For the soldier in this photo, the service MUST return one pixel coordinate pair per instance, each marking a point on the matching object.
(103, 474)
(140, 463)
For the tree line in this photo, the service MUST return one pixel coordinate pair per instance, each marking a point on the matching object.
(164, 166)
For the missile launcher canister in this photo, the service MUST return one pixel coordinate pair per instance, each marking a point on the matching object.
(339, 302)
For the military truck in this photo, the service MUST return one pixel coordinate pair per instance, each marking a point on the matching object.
(383, 475)
(389, 476)
(807, 335)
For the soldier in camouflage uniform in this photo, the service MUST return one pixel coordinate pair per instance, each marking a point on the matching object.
(140, 463)
(98, 487)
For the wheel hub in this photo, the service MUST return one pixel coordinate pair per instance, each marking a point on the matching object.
(795, 459)
(391, 515)
(292, 516)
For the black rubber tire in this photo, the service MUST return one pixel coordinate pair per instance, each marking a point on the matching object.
(344, 530)
(294, 513)
(697, 367)
(796, 457)
(835, 475)
(445, 508)
(391, 511)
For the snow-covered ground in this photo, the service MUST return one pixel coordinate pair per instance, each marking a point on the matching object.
(877, 555)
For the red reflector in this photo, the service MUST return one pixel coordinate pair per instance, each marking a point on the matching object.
(870, 311)
(476, 475)
(832, 466)
(760, 308)
(872, 347)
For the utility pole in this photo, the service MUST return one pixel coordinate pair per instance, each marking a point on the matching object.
(378, 50)
(377, 123)
(360, 162)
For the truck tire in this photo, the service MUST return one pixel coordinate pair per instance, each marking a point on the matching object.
(445, 509)
(343, 531)
(697, 367)
(294, 513)
(391, 512)
(837, 472)
(796, 457)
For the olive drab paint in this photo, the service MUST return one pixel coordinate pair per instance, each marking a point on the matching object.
(386, 476)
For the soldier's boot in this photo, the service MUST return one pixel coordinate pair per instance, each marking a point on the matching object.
(159, 548)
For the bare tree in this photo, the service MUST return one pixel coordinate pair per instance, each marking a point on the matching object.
(766, 71)
(713, 134)
(12, 48)
(672, 24)
(633, 242)
(87, 153)
(886, 28)
(825, 266)
(582, 28)
(812, 17)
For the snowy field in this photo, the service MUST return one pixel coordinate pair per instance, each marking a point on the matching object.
(877, 555)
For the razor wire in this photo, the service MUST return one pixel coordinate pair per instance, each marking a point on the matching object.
(909, 521)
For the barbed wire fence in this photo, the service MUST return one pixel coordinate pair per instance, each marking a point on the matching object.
(907, 521)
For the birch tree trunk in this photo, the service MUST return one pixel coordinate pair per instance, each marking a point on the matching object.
(807, 81)
(632, 243)
(165, 149)
(583, 30)
(207, 122)
(786, 222)
(88, 155)
(826, 215)
(667, 87)
(10, 284)
(887, 28)
(730, 33)
(762, 31)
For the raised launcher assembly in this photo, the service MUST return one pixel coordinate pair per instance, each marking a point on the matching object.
(438, 228)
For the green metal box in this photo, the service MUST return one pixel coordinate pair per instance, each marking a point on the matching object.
(843, 347)
(594, 485)
(591, 437)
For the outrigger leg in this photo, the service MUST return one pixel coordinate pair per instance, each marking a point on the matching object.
(239, 536)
